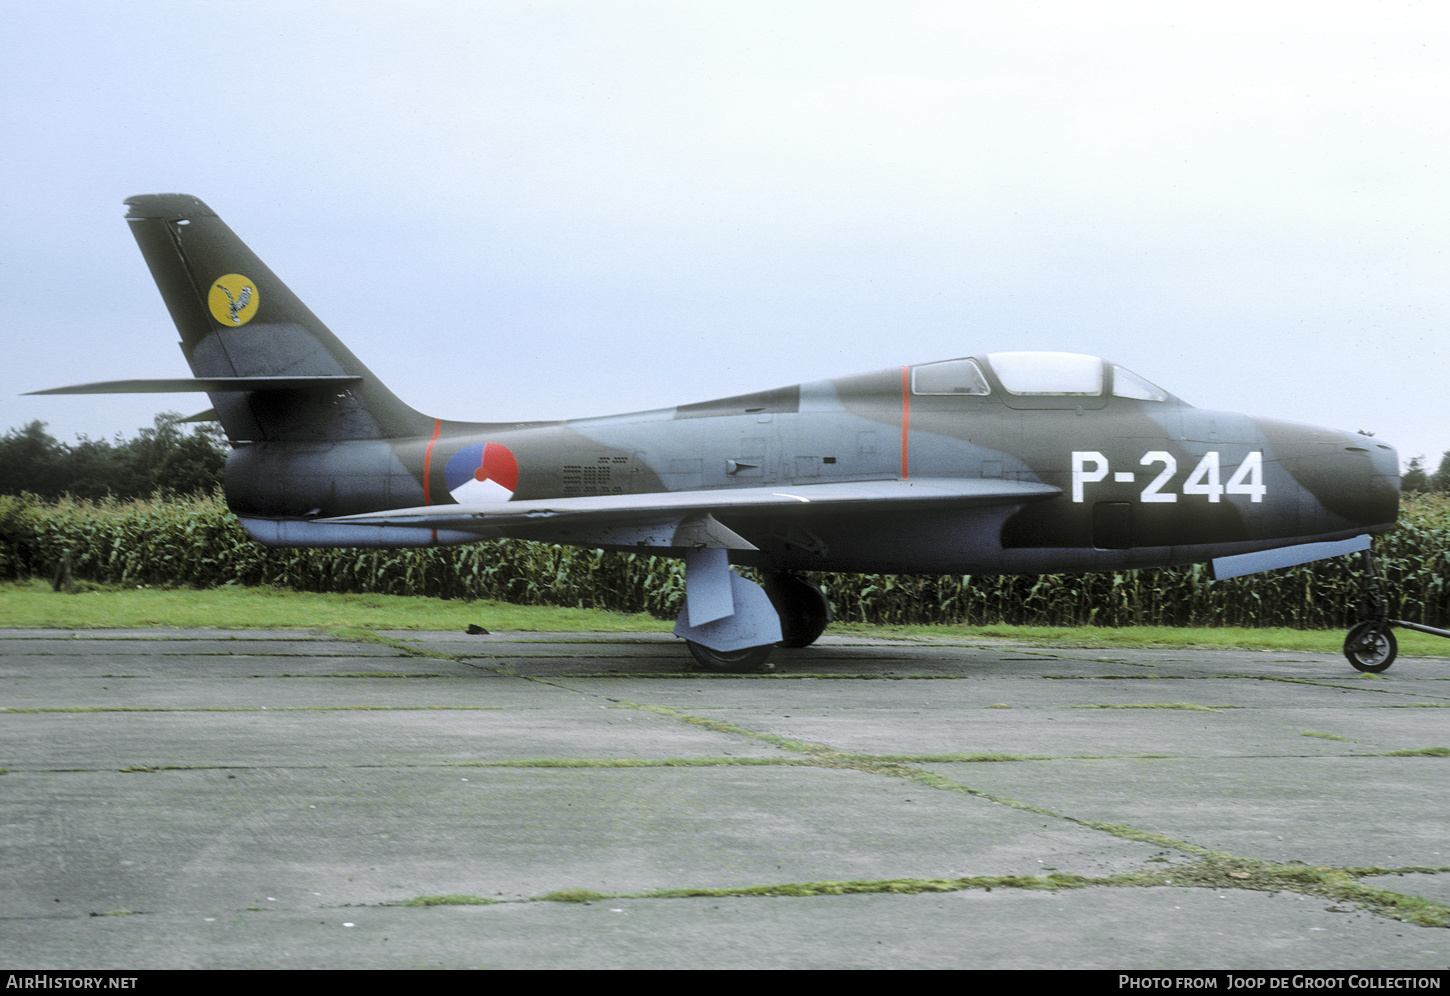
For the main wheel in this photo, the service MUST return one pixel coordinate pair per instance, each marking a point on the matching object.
(730, 661)
(802, 607)
(1371, 646)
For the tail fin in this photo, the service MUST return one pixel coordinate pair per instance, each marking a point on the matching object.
(237, 319)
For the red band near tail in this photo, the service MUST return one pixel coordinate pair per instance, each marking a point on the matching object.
(428, 461)
(428, 467)
(905, 420)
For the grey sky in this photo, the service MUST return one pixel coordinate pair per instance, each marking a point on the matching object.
(533, 210)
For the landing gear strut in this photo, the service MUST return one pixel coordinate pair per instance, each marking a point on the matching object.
(803, 611)
(728, 623)
(732, 625)
(1370, 645)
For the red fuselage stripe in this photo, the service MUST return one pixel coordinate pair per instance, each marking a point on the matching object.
(428, 461)
(905, 421)
(428, 467)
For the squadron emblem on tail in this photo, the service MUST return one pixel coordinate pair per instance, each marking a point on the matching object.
(233, 299)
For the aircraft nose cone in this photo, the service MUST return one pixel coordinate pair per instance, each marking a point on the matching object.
(1352, 475)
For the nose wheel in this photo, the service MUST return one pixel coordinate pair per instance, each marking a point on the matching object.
(1371, 646)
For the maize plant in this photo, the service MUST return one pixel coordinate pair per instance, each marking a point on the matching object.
(197, 542)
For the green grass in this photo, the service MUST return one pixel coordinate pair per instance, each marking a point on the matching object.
(32, 604)
(574, 896)
(1318, 641)
(1213, 870)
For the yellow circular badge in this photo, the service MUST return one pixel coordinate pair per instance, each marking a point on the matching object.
(233, 299)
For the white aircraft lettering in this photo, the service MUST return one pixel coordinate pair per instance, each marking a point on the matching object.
(1090, 467)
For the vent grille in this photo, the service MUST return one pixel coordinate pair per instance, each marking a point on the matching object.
(582, 479)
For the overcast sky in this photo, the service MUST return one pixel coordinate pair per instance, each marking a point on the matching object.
(537, 210)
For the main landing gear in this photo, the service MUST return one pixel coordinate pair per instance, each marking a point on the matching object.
(741, 661)
(785, 609)
(1370, 645)
(802, 606)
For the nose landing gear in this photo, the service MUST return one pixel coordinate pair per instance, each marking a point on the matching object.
(1370, 645)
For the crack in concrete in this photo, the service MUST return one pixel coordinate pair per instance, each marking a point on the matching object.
(1213, 869)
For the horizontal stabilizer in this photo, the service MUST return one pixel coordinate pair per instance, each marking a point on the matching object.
(878, 496)
(181, 385)
(1284, 556)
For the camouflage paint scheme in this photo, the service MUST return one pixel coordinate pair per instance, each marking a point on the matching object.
(928, 468)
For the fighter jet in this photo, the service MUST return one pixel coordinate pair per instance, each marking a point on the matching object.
(1004, 462)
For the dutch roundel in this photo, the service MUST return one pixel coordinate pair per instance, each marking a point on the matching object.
(481, 473)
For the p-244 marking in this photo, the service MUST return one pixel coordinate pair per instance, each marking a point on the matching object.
(1090, 466)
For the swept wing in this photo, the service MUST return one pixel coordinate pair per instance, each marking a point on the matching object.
(675, 507)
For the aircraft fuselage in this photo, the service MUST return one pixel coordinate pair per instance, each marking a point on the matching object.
(1142, 482)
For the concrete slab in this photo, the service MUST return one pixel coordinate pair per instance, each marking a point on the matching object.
(306, 838)
(1027, 691)
(355, 735)
(1351, 811)
(529, 763)
(433, 685)
(944, 728)
(1004, 929)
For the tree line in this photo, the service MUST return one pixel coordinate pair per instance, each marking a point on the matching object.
(162, 459)
(1415, 480)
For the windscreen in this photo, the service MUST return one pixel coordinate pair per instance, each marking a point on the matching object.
(1127, 384)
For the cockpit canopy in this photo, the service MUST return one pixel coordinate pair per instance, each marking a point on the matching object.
(1034, 375)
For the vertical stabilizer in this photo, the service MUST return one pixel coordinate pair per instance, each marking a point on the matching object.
(237, 319)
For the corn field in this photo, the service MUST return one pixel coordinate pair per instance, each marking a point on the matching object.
(198, 543)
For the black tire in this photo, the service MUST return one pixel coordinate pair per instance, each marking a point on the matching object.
(1371, 646)
(802, 607)
(731, 661)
